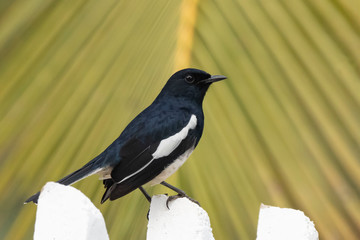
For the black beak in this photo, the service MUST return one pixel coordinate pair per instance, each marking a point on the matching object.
(214, 78)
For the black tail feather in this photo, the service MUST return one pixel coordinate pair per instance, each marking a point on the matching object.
(34, 198)
(114, 191)
(109, 184)
(87, 170)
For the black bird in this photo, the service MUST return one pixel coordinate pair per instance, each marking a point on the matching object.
(155, 143)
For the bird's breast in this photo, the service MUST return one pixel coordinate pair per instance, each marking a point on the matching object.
(172, 167)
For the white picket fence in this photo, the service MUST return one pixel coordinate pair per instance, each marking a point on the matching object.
(63, 212)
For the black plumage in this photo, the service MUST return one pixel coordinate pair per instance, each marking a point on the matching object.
(156, 142)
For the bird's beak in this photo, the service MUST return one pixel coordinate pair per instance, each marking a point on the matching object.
(214, 78)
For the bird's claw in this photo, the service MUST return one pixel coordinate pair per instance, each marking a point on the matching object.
(171, 198)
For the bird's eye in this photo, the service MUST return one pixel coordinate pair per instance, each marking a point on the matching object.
(189, 79)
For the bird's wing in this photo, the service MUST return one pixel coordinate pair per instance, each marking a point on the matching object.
(160, 141)
(144, 157)
(135, 155)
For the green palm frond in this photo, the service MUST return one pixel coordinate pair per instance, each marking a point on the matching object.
(283, 129)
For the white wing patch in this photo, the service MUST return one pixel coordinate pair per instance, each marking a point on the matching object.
(168, 145)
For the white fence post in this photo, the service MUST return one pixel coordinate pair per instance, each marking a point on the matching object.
(184, 220)
(283, 224)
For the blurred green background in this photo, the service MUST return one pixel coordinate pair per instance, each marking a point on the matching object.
(283, 130)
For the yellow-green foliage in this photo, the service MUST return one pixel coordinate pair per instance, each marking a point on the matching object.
(283, 129)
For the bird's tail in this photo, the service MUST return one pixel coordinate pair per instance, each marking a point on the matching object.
(88, 169)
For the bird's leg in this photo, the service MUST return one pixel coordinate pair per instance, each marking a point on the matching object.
(145, 193)
(147, 197)
(180, 192)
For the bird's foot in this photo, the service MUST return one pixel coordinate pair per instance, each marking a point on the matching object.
(172, 198)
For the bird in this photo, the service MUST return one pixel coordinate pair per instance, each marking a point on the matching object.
(156, 143)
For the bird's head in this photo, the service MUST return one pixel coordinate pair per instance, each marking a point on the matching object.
(190, 84)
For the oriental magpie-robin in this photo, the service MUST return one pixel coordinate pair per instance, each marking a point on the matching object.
(155, 143)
